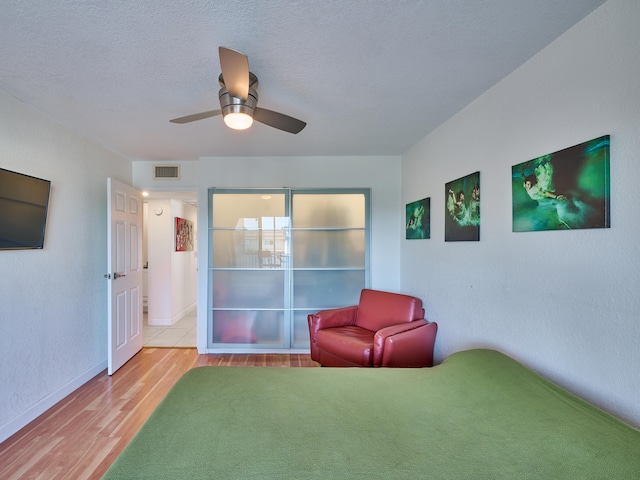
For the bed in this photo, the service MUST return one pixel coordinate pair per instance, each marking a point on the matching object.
(479, 414)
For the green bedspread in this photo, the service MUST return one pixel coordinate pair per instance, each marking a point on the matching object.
(478, 415)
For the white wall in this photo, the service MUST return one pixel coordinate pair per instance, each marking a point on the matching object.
(159, 249)
(184, 266)
(172, 276)
(53, 302)
(564, 302)
(380, 173)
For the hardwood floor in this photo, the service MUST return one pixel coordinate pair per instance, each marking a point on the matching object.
(80, 436)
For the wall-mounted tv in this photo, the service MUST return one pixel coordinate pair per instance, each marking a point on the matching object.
(23, 210)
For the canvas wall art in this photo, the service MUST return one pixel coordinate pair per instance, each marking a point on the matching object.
(184, 235)
(565, 190)
(462, 204)
(418, 219)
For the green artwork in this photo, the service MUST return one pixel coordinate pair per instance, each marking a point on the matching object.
(418, 222)
(462, 203)
(565, 190)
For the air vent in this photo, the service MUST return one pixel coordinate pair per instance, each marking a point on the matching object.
(166, 172)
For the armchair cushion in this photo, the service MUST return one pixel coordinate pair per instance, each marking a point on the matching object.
(351, 343)
(383, 330)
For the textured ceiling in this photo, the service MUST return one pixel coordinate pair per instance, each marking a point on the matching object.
(370, 77)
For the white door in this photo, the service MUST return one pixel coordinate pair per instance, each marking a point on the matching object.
(124, 258)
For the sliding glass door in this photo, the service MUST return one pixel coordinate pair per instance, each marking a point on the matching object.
(278, 255)
(330, 265)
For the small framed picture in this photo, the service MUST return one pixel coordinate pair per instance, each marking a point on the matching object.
(184, 235)
(462, 209)
(418, 219)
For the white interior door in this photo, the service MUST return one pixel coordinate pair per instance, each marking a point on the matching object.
(124, 258)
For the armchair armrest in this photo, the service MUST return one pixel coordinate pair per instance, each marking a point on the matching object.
(405, 345)
(337, 317)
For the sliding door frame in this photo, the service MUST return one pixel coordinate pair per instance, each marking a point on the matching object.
(292, 313)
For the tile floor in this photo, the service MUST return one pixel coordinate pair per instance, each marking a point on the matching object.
(180, 334)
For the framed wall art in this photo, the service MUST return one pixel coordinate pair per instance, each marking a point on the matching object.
(565, 190)
(418, 219)
(462, 209)
(184, 235)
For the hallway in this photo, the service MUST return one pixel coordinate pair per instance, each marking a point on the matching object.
(181, 334)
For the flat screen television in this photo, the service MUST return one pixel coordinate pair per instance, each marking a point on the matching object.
(24, 201)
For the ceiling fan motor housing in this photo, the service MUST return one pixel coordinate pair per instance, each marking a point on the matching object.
(231, 104)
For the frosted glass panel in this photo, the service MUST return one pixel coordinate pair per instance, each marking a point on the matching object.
(301, 328)
(329, 249)
(329, 210)
(245, 210)
(250, 248)
(248, 327)
(316, 289)
(248, 289)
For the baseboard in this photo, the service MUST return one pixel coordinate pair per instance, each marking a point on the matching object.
(183, 313)
(47, 402)
(167, 322)
(246, 350)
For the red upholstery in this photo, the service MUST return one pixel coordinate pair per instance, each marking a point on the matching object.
(384, 330)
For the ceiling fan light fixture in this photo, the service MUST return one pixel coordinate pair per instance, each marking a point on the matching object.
(238, 121)
(238, 113)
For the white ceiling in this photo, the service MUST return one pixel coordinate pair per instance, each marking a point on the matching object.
(370, 77)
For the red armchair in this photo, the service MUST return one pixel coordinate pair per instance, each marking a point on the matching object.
(384, 330)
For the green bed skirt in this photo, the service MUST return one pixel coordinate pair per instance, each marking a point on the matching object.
(478, 415)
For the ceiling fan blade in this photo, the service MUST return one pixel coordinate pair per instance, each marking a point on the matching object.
(196, 116)
(278, 120)
(235, 72)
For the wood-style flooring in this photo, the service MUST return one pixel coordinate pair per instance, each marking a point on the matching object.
(79, 437)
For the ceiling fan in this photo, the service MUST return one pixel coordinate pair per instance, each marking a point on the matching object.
(239, 99)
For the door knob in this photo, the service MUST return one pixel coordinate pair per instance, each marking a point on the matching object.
(115, 275)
